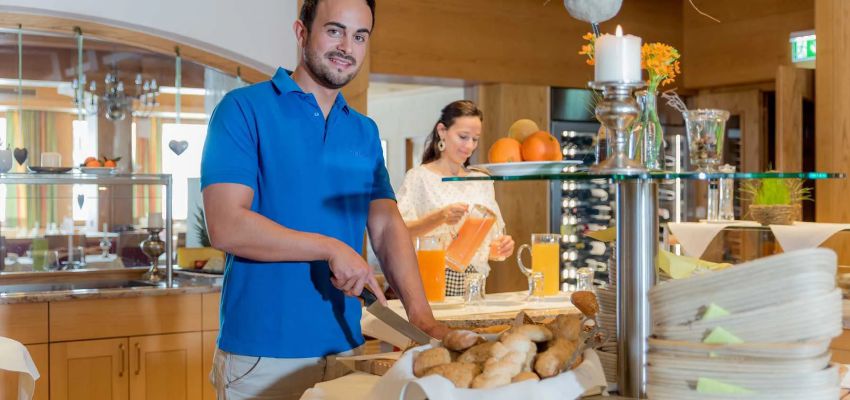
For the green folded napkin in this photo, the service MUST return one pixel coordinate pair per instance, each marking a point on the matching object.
(714, 386)
(679, 267)
(719, 335)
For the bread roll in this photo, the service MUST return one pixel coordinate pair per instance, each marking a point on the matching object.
(430, 358)
(477, 354)
(461, 374)
(553, 361)
(525, 376)
(517, 342)
(460, 340)
(566, 326)
(535, 333)
(586, 302)
(490, 381)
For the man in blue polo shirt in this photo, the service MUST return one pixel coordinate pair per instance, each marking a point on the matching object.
(291, 177)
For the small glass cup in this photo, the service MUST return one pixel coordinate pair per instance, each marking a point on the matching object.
(535, 286)
(584, 279)
(474, 288)
(706, 132)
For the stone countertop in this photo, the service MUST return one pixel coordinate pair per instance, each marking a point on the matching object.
(182, 284)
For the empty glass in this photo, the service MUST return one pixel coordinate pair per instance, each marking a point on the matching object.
(725, 205)
(706, 131)
(474, 288)
(535, 286)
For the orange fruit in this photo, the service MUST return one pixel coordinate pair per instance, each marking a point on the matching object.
(522, 128)
(541, 146)
(93, 163)
(88, 159)
(109, 164)
(505, 150)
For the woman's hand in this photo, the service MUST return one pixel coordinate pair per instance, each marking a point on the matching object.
(501, 248)
(452, 213)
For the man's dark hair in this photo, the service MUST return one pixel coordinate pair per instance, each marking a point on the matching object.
(308, 12)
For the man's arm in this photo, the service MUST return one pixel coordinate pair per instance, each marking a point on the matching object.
(237, 230)
(391, 242)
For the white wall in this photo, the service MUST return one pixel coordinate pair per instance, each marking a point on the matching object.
(406, 114)
(257, 33)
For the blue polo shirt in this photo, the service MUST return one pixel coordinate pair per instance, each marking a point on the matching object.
(308, 174)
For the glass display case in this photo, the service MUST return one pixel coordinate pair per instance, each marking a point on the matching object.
(84, 221)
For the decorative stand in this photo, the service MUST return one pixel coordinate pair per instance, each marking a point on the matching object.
(616, 112)
(153, 247)
(637, 237)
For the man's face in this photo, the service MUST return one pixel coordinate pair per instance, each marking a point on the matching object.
(335, 48)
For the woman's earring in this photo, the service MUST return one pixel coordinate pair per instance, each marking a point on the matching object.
(441, 145)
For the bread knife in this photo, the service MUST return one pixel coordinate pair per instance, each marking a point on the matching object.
(395, 321)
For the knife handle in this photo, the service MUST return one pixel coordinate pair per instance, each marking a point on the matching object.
(368, 297)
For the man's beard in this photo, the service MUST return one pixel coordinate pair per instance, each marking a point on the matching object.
(325, 74)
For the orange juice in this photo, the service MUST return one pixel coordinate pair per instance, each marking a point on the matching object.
(432, 269)
(471, 235)
(544, 258)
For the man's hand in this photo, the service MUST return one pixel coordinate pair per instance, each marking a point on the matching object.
(351, 273)
(433, 328)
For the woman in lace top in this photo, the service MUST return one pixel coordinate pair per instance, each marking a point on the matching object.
(430, 206)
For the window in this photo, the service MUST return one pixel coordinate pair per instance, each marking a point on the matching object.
(186, 165)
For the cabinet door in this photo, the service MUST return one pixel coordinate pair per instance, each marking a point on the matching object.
(209, 342)
(89, 370)
(166, 367)
(9, 380)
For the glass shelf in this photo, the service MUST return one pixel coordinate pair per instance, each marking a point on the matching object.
(586, 176)
(80, 178)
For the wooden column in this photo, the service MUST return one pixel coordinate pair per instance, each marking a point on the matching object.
(832, 119)
(524, 205)
(793, 85)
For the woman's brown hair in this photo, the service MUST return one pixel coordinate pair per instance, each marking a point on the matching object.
(451, 112)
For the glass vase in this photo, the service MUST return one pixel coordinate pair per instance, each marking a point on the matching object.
(648, 135)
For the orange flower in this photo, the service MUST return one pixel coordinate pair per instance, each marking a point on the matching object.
(589, 48)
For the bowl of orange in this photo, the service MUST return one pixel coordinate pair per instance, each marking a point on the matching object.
(104, 165)
(526, 150)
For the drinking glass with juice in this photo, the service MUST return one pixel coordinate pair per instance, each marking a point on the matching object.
(545, 258)
(473, 230)
(431, 254)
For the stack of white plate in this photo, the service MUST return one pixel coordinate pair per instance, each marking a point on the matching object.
(785, 309)
(607, 318)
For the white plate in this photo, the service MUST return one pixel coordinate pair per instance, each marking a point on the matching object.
(98, 170)
(527, 167)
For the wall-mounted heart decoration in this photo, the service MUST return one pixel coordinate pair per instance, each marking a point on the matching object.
(20, 155)
(81, 199)
(178, 147)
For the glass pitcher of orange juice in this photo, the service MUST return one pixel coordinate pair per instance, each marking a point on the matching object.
(431, 254)
(473, 230)
(545, 258)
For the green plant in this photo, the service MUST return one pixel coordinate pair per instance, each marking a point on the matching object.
(201, 228)
(775, 191)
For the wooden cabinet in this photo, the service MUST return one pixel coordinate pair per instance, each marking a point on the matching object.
(136, 368)
(209, 344)
(166, 367)
(9, 380)
(90, 370)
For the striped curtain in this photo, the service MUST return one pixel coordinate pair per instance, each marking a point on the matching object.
(38, 132)
(148, 160)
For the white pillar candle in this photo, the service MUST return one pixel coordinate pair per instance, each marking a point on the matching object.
(617, 58)
(155, 220)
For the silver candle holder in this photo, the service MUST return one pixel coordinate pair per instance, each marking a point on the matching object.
(616, 112)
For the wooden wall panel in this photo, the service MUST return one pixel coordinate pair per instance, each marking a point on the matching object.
(832, 85)
(508, 41)
(748, 44)
(792, 86)
(524, 205)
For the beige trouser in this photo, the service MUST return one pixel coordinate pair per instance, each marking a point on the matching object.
(238, 377)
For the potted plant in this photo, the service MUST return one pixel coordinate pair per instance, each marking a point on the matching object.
(775, 201)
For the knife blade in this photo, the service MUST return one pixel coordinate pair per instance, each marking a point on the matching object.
(395, 321)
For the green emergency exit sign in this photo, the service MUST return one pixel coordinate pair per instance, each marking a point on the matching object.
(803, 48)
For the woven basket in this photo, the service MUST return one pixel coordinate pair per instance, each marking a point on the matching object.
(773, 214)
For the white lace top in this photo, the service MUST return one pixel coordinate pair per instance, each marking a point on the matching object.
(423, 191)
